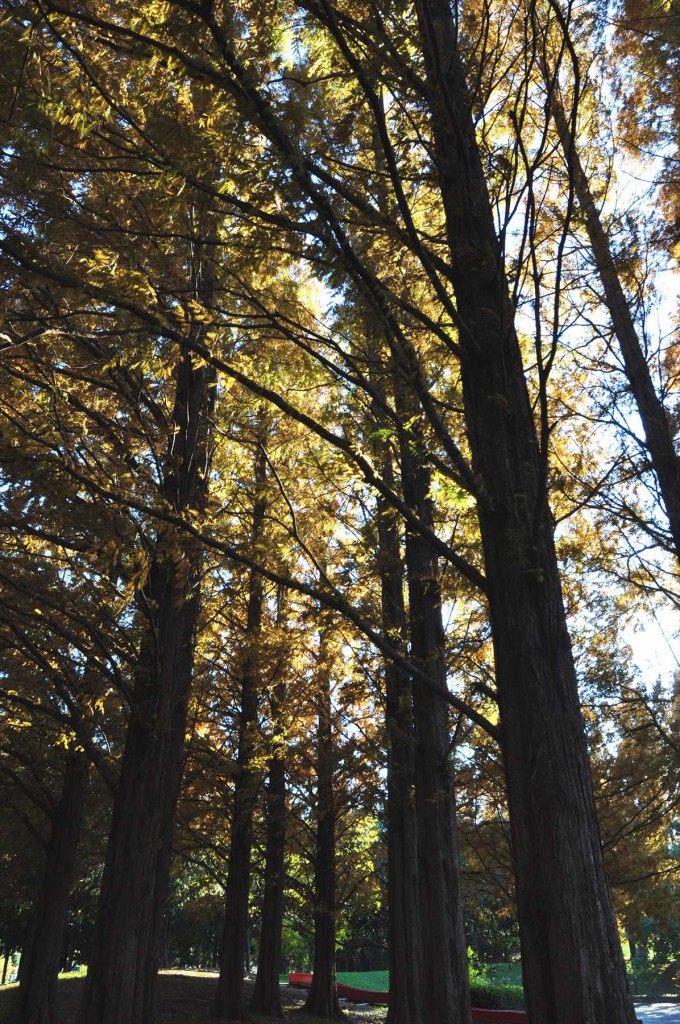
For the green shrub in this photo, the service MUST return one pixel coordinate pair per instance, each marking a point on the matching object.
(296, 949)
(488, 996)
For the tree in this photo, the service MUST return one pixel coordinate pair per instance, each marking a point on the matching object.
(322, 1000)
(153, 759)
(266, 996)
(228, 1002)
(41, 956)
(656, 419)
(558, 860)
(427, 271)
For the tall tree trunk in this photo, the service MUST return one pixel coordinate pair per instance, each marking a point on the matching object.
(42, 955)
(572, 960)
(155, 949)
(444, 984)
(266, 997)
(404, 948)
(322, 999)
(228, 1003)
(655, 419)
(123, 964)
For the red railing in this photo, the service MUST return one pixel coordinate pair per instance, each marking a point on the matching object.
(361, 995)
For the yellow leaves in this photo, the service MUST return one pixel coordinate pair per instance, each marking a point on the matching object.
(198, 312)
(207, 121)
(103, 267)
(314, 295)
(489, 708)
(450, 496)
(99, 705)
(287, 45)
(65, 740)
(102, 258)
(18, 722)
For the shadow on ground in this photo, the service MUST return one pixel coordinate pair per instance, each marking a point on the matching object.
(185, 998)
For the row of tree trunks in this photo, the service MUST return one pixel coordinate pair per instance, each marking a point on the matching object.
(403, 945)
(123, 962)
(444, 985)
(229, 1001)
(572, 960)
(41, 955)
(427, 950)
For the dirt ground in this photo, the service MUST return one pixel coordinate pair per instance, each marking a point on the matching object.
(185, 998)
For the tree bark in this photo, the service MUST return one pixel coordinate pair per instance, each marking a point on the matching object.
(655, 420)
(572, 960)
(444, 984)
(266, 996)
(155, 950)
(123, 963)
(322, 999)
(228, 1003)
(42, 955)
(404, 949)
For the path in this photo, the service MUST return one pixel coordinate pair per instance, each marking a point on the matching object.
(658, 1013)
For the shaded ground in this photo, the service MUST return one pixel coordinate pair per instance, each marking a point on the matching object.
(184, 998)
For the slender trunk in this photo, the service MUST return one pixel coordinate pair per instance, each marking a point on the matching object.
(404, 939)
(123, 964)
(228, 1003)
(404, 949)
(322, 999)
(266, 997)
(41, 959)
(572, 959)
(444, 985)
(656, 421)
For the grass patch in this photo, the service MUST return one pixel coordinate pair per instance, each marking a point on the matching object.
(494, 991)
(372, 981)
(504, 974)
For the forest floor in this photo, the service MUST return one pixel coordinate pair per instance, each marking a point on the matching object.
(185, 998)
